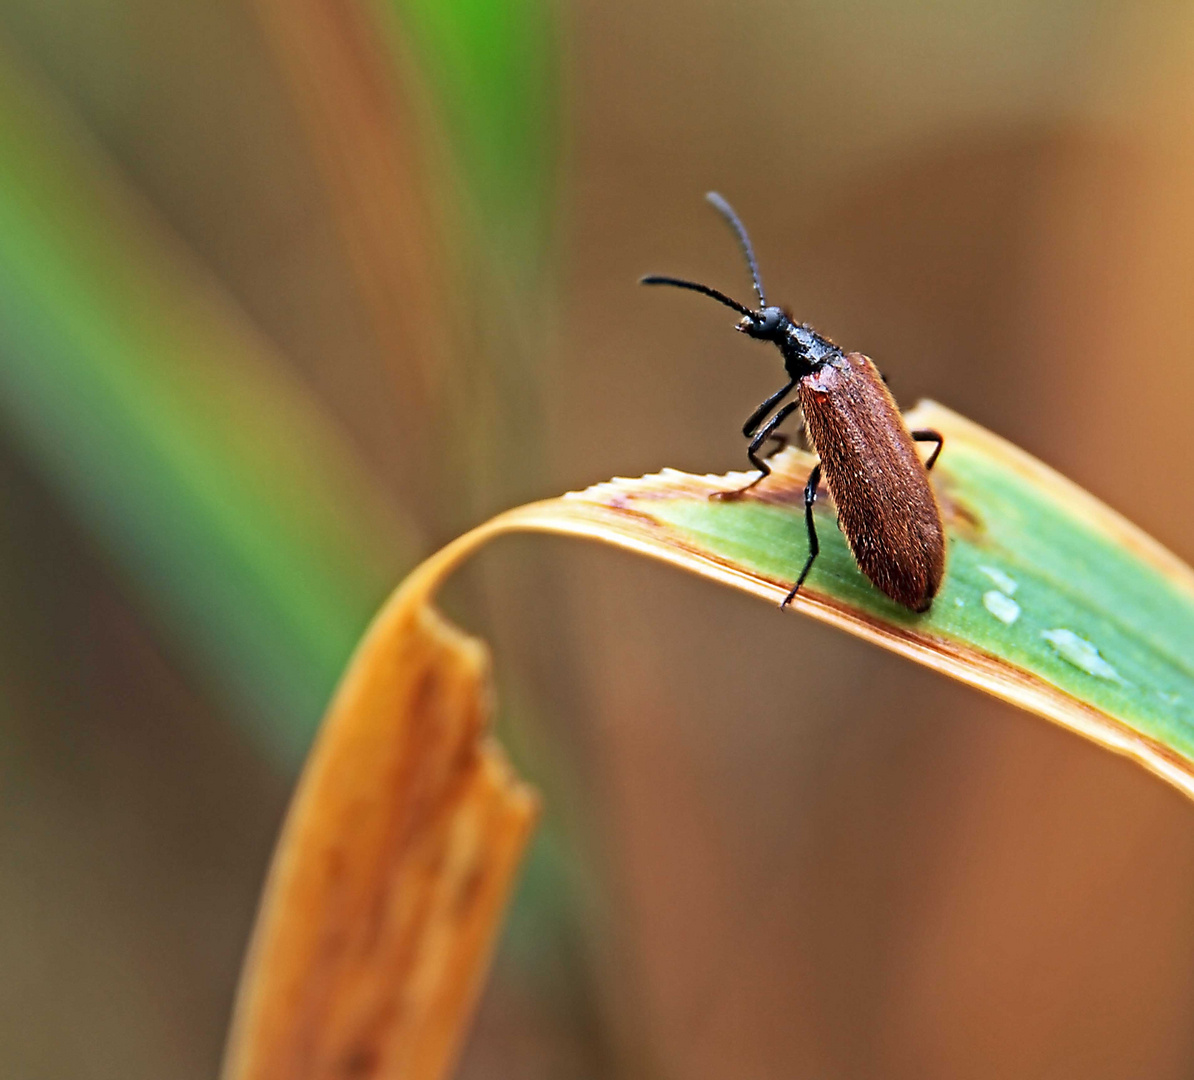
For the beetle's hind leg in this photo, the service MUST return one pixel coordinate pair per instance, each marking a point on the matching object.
(929, 435)
(814, 546)
(780, 442)
(752, 451)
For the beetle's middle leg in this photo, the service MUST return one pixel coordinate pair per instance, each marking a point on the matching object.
(814, 546)
(781, 442)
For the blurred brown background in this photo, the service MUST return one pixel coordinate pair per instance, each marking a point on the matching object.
(785, 854)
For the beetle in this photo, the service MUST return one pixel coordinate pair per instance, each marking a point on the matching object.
(885, 503)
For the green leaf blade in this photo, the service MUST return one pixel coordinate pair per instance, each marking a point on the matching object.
(1050, 599)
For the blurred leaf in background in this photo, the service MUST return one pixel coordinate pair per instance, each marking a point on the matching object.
(224, 496)
(242, 513)
(495, 69)
(494, 72)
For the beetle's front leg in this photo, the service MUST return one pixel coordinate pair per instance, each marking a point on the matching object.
(756, 417)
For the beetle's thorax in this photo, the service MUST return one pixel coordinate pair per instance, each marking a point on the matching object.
(804, 350)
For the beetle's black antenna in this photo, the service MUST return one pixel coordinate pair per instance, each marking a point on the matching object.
(660, 279)
(727, 212)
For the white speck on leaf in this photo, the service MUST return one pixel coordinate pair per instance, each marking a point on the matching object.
(1004, 608)
(1004, 583)
(1082, 654)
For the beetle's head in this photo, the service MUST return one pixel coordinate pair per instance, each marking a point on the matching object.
(801, 346)
(768, 324)
(764, 322)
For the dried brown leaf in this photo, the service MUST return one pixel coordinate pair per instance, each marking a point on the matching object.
(393, 869)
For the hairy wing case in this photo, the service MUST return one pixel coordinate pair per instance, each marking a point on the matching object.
(885, 504)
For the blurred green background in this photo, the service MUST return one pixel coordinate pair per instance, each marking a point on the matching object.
(293, 292)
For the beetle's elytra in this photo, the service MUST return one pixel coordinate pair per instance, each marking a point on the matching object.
(885, 503)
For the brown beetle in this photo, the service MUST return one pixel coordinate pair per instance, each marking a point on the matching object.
(885, 503)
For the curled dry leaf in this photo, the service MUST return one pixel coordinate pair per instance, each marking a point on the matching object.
(393, 868)
(399, 849)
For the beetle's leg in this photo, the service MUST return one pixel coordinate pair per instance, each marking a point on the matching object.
(929, 435)
(799, 438)
(756, 417)
(752, 451)
(781, 443)
(803, 439)
(765, 433)
(814, 546)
